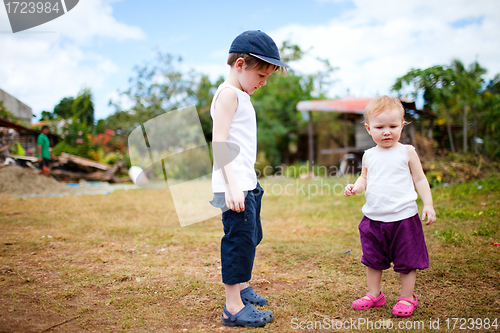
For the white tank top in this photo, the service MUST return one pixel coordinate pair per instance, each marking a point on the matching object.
(243, 132)
(390, 193)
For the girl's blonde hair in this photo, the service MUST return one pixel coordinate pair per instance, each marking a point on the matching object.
(381, 104)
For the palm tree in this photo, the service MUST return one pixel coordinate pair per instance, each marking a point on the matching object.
(467, 88)
(436, 83)
(449, 91)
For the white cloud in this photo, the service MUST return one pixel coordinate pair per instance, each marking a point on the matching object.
(381, 40)
(46, 63)
(90, 19)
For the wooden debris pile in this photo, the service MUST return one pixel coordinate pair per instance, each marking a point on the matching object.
(71, 168)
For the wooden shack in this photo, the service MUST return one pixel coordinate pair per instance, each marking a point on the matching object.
(351, 156)
(28, 137)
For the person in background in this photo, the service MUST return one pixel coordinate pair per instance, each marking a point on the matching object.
(43, 144)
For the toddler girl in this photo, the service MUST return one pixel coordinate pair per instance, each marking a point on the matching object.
(391, 230)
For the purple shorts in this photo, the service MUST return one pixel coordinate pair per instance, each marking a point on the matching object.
(400, 242)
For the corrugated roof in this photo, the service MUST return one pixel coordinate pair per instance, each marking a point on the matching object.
(19, 128)
(350, 105)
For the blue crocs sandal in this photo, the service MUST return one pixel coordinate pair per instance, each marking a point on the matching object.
(248, 316)
(249, 296)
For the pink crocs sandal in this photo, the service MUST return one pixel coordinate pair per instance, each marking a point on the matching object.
(363, 303)
(405, 310)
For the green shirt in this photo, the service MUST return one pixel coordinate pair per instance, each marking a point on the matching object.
(44, 141)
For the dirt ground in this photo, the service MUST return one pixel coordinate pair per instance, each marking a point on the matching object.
(24, 182)
(121, 263)
(15, 180)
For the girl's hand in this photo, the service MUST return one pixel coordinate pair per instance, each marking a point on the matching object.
(349, 190)
(428, 211)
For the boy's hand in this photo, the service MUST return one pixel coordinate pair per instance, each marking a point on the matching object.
(235, 200)
(428, 211)
(349, 190)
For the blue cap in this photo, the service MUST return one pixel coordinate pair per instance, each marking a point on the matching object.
(259, 45)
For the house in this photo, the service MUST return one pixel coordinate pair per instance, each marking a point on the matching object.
(27, 137)
(16, 107)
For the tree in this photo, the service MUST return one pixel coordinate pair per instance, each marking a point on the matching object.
(447, 90)
(278, 121)
(81, 107)
(204, 94)
(434, 82)
(488, 120)
(161, 86)
(65, 108)
(156, 88)
(458, 92)
(467, 87)
(77, 127)
(47, 115)
(75, 135)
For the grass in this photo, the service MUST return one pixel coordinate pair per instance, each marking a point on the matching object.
(121, 263)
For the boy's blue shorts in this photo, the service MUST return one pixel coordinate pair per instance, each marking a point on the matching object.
(242, 234)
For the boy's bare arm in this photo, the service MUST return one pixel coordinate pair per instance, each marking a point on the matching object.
(422, 186)
(225, 107)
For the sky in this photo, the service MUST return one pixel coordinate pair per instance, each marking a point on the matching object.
(98, 43)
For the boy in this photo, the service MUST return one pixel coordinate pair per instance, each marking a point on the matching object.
(253, 57)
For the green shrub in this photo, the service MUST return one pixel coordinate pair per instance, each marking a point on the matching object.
(81, 149)
(63, 147)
